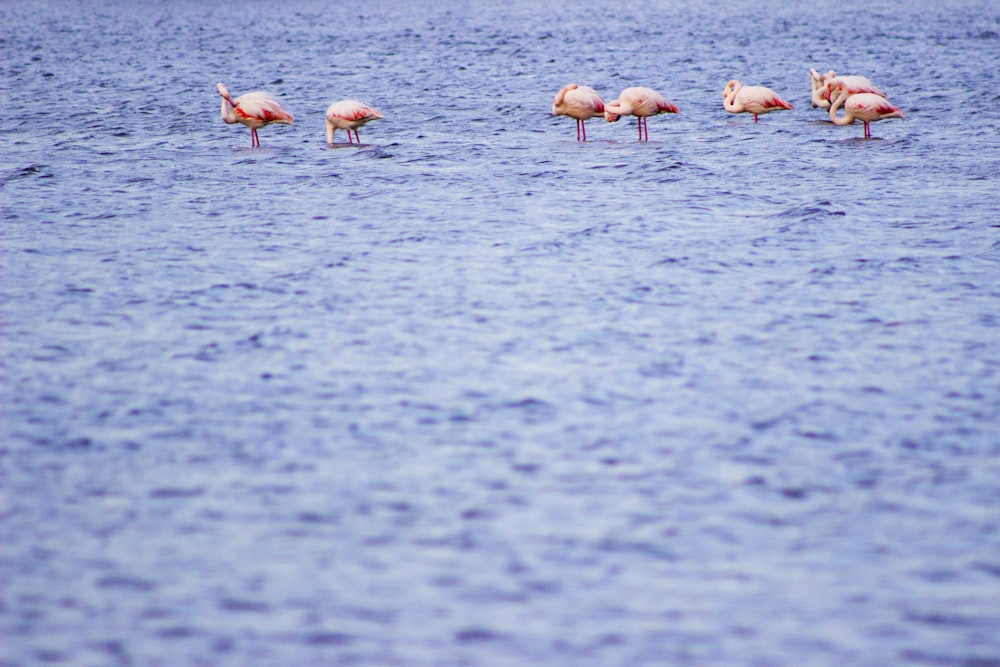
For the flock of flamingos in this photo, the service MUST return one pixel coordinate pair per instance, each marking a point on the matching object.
(857, 96)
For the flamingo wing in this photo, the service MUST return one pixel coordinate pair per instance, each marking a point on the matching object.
(758, 99)
(646, 102)
(260, 107)
(869, 106)
(351, 113)
(579, 102)
(586, 100)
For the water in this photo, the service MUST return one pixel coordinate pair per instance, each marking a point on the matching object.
(474, 393)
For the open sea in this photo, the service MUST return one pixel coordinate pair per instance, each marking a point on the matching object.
(473, 393)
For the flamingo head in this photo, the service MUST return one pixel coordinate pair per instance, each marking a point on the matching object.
(730, 88)
(224, 92)
(615, 109)
(834, 90)
(830, 87)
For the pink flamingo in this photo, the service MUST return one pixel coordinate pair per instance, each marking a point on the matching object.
(641, 103)
(866, 107)
(348, 115)
(822, 84)
(818, 82)
(751, 99)
(255, 110)
(854, 84)
(579, 102)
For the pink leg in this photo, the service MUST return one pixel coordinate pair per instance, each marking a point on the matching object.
(755, 118)
(357, 136)
(583, 129)
(254, 139)
(868, 131)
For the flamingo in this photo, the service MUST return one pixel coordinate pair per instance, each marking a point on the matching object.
(348, 115)
(579, 102)
(255, 110)
(751, 99)
(866, 107)
(639, 102)
(822, 84)
(819, 87)
(854, 84)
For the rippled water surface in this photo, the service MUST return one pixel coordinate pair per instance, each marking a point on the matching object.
(473, 393)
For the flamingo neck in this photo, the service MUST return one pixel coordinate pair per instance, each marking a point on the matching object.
(838, 102)
(227, 110)
(730, 100)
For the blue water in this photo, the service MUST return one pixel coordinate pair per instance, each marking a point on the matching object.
(473, 393)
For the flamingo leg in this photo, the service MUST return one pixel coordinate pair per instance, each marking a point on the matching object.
(868, 130)
(755, 118)
(356, 136)
(583, 128)
(254, 139)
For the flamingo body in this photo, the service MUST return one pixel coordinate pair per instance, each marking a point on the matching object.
(579, 102)
(640, 102)
(866, 107)
(757, 100)
(255, 110)
(348, 115)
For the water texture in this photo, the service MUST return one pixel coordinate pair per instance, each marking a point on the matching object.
(473, 393)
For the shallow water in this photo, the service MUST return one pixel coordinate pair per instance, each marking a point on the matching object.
(474, 393)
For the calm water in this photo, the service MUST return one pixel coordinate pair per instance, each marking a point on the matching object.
(474, 393)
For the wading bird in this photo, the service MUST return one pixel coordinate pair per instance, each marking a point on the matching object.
(255, 110)
(823, 84)
(757, 100)
(579, 102)
(866, 107)
(348, 115)
(639, 102)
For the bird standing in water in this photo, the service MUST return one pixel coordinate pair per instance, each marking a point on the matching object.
(640, 102)
(579, 102)
(751, 99)
(348, 115)
(866, 107)
(255, 110)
